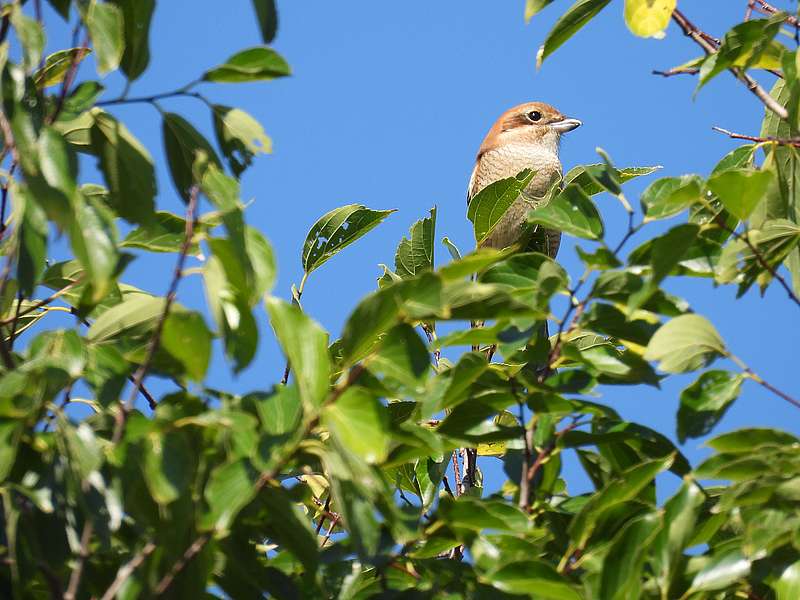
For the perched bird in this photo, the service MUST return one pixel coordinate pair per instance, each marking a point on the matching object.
(524, 137)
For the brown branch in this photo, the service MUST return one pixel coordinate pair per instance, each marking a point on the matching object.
(75, 577)
(328, 534)
(677, 71)
(795, 142)
(767, 9)
(781, 394)
(191, 220)
(710, 45)
(324, 514)
(181, 563)
(127, 570)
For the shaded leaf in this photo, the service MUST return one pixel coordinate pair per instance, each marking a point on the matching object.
(571, 211)
(705, 402)
(578, 15)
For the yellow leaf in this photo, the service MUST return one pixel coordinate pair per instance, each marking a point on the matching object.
(648, 18)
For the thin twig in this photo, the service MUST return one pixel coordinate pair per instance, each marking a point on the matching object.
(180, 92)
(677, 71)
(457, 472)
(773, 271)
(710, 45)
(323, 515)
(328, 534)
(127, 570)
(191, 219)
(180, 564)
(781, 394)
(75, 577)
(795, 142)
(42, 303)
(767, 9)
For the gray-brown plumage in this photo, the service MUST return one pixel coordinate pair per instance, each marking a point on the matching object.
(524, 137)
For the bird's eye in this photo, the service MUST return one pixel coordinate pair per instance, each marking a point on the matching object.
(534, 115)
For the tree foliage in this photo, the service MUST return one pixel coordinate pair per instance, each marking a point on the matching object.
(347, 478)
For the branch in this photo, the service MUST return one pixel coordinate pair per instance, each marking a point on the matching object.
(764, 264)
(181, 563)
(767, 9)
(127, 570)
(180, 92)
(710, 45)
(795, 142)
(75, 577)
(191, 219)
(677, 71)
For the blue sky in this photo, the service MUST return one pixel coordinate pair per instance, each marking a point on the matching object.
(387, 107)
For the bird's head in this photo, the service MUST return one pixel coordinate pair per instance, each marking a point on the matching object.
(532, 123)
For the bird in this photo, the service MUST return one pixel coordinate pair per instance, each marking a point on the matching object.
(526, 136)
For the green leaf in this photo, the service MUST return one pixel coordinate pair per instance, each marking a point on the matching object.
(415, 253)
(183, 143)
(291, 527)
(106, 28)
(787, 587)
(582, 176)
(32, 235)
(680, 524)
(167, 465)
(774, 241)
(187, 339)
(705, 401)
(267, 15)
(57, 64)
(359, 423)
(669, 196)
(79, 100)
(137, 15)
(254, 64)
(741, 47)
(740, 190)
(738, 158)
(522, 577)
(230, 488)
(10, 434)
(402, 356)
(746, 440)
(239, 136)
(126, 166)
(479, 514)
(336, 230)
(532, 8)
(92, 237)
(662, 253)
(306, 347)
(531, 278)
(489, 205)
(165, 233)
(137, 312)
(685, 343)
(648, 18)
(622, 567)
(568, 24)
(31, 36)
(232, 314)
(627, 487)
(571, 211)
(721, 571)
(61, 7)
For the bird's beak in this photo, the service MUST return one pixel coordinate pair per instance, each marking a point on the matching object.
(565, 125)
